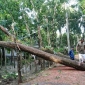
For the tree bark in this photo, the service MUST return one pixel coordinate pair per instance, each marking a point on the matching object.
(66, 56)
(3, 56)
(5, 31)
(19, 71)
(44, 55)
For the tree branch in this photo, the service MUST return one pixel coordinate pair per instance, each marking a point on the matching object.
(5, 31)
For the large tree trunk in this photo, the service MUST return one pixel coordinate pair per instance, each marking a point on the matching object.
(44, 55)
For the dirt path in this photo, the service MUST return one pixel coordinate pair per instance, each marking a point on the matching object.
(59, 75)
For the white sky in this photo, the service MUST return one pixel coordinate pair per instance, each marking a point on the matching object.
(72, 2)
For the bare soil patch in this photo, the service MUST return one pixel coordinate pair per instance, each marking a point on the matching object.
(58, 75)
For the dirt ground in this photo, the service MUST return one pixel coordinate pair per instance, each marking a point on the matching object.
(58, 75)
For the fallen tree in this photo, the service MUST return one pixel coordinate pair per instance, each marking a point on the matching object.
(5, 31)
(65, 56)
(44, 55)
